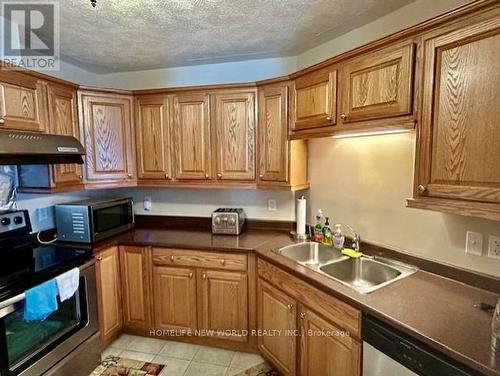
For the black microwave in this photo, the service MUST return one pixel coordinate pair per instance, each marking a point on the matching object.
(92, 220)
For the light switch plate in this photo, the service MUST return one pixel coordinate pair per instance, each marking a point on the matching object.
(272, 205)
(494, 247)
(474, 243)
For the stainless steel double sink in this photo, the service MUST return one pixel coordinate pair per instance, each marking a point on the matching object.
(364, 274)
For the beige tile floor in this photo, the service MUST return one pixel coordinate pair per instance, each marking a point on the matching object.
(182, 359)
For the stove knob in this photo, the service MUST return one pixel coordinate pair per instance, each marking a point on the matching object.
(232, 221)
(18, 220)
(5, 221)
(217, 221)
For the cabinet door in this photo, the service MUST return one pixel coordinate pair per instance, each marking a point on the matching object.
(22, 102)
(109, 294)
(174, 298)
(315, 100)
(277, 320)
(191, 133)
(378, 85)
(235, 136)
(224, 304)
(107, 132)
(458, 153)
(153, 138)
(273, 124)
(63, 120)
(325, 350)
(135, 287)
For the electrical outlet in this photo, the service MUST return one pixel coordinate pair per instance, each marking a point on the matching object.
(147, 203)
(272, 205)
(494, 247)
(43, 214)
(474, 243)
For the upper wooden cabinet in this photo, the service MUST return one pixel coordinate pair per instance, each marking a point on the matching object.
(153, 116)
(22, 102)
(107, 132)
(234, 123)
(191, 137)
(377, 85)
(314, 101)
(457, 153)
(281, 162)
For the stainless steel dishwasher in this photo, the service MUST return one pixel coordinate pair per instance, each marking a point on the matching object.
(388, 352)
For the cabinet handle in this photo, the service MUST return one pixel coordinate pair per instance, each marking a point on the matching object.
(129, 176)
(191, 275)
(302, 315)
(261, 176)
(99, 258)
(421, 189)
(80, 177)
(172, 258)
(167, 176)
(219, 176)
(343, 116)
(207, 176)
(329, 118)
(204, 276)
(223, 262)
(290, 307)
(2, 121)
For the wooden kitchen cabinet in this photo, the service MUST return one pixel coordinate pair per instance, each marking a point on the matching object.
(135, 274)
(224, 303)
(108, 136)
(191, 137)
(457, 151)
(377, 85)
(109, 303)
(324, 349)
(174, 293)
(314, 102)
(282, 163)
(277, 321)
(234, 122)
(153, 117)
(22, 102)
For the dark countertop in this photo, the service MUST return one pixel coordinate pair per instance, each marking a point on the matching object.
(436, 310)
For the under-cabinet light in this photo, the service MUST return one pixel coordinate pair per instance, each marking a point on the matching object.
(371, 133)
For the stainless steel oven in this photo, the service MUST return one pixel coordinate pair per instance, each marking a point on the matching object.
(92, 220)
(68, 338)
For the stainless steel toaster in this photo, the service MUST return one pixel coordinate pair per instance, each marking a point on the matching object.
(228, 221)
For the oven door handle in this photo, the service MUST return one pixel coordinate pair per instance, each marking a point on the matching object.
(7, 306)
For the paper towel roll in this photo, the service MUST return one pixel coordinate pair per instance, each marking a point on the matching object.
(300, 215)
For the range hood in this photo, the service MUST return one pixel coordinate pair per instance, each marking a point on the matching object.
(18, 148)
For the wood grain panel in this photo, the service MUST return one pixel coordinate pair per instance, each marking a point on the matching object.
(191, 133)
(333, 309)
(234, 122)
(273, 130)
(277, 319)
(22, 108)
(135, 287)
(63, 120)
(458, 154)
(201, 259)
(325, 349)
(153, 138)
(107, 124)
(378, 85)
(224, 304)
(109, 294)
(174, 298)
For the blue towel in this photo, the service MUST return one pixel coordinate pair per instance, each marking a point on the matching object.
(41, 301)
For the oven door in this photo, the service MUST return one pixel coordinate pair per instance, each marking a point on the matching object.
(30, 349)
(111, 219)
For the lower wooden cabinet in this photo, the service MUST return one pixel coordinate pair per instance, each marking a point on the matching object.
(109, 294)
(277, 320)
(224, 304)
(324, 349)
(174, 296)
(135, 272)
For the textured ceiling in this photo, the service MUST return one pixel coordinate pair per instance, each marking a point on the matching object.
(126, 35)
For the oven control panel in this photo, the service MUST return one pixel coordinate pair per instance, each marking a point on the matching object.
(13, 221)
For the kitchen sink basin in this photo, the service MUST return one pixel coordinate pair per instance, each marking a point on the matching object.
(310, 253)
(364, 274)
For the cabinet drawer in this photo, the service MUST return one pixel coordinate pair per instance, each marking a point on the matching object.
(331, 308)
(201, 259)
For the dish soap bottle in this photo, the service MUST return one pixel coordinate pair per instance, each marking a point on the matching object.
(327, 232)
(318, 229)
(338, 238)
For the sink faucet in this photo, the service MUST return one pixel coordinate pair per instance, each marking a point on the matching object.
(356, 240)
